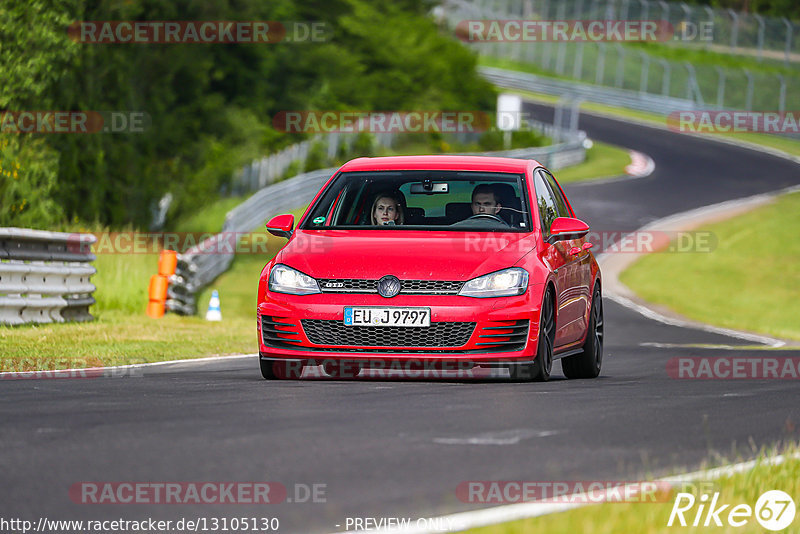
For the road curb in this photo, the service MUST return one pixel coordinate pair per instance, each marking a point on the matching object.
(114, 371)
(613, 264)
(525, 510)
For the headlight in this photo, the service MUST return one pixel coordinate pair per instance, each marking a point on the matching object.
(284, 279)
(505, 283)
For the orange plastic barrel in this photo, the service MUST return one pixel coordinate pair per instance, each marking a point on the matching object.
(158, 287)
(157, 295)
(155, 309)
(167, 261)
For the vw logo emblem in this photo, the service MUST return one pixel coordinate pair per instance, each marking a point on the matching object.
(389, 286)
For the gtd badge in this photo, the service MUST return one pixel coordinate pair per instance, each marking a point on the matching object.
(389, 286)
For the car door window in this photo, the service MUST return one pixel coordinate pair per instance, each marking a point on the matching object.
(548, 210)
(561, 204)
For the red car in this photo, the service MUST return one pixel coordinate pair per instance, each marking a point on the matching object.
(433, 261)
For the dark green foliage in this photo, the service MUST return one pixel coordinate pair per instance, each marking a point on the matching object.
(210, 105)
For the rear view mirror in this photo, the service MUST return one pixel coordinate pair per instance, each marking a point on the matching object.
(565, 228)
(281, 225)
(429, 188)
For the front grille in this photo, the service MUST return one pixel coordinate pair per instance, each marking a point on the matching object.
(335, 333)
(279, 331)
(409, 287)
(504, 336)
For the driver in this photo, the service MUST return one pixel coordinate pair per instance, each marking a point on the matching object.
(485, 200)
(387, 209)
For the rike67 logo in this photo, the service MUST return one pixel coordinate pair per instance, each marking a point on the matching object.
(774, 510)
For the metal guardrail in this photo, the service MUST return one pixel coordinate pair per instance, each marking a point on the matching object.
(663, 105)
(698, 26)
(267, 170)
(200, 265)
(638, 69)
(44, 276)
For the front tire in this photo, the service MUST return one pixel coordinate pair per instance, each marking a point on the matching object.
(587, 364)
(539, 370)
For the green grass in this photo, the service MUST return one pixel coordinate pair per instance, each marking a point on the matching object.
(790, 146)
(652, 518)
(602, 161)
(119, 338)
(122, 334)
(122, 281)
(209, 218)
(700, 56)
(751, 281)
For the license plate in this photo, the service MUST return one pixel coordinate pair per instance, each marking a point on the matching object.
(369, 316)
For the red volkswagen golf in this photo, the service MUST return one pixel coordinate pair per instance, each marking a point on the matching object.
(451, 262)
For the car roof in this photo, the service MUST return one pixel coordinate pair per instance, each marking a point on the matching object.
(440, 163)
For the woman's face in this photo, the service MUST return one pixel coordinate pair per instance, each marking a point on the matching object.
(385, 210)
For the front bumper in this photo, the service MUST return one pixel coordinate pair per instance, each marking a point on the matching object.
(463, 329)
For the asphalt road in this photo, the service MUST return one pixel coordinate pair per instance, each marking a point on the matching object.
(400, 448)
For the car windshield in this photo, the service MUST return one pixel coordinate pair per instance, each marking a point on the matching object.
(423, 200)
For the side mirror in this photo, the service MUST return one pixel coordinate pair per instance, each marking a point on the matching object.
(281, 225)
(565, 228)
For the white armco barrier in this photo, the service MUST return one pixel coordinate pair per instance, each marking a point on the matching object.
(44, 276)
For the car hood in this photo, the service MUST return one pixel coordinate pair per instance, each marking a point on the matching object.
(409, 255)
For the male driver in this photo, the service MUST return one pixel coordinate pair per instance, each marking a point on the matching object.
(484, 200)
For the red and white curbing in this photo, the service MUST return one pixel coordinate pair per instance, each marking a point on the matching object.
(641, 165)
(612, 265)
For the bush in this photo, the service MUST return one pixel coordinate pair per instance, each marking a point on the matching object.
(317, 157)
(28, 173)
